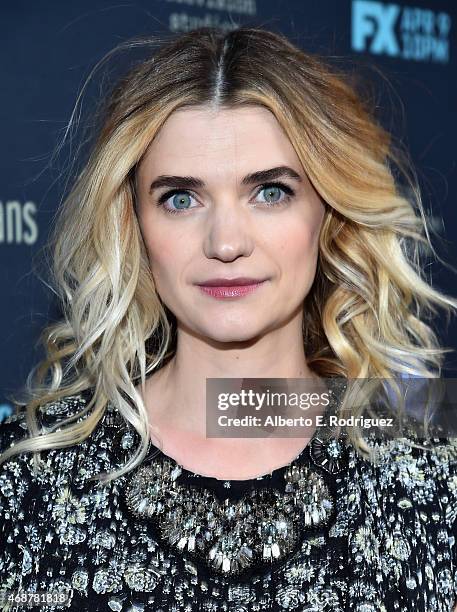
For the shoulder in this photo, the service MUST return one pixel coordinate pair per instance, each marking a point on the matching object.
(52, 416)
(424, 471)
(17, 468)
(57, 462)
(99, 448)
(440, 454)
(437, 455)
(15, 428)
(12, 429)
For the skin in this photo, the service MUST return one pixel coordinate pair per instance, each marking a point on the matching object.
(227, 230)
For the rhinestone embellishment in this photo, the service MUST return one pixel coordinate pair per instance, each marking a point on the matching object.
(329, 455)
(230, 537)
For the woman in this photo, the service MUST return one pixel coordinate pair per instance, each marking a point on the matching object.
(223, 156)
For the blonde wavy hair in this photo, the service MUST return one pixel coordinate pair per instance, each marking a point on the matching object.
(365, 315)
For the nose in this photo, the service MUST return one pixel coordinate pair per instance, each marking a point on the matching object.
(228, 232)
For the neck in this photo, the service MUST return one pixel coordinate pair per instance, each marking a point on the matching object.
(176, 394)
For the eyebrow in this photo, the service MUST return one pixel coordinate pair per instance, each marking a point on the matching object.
(191, 182)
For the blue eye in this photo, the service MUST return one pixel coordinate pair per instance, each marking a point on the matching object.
(181, 198)
(274, 192)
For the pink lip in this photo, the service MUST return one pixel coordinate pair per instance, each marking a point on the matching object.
(229, 292)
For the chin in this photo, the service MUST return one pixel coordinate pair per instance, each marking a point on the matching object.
(232, 333)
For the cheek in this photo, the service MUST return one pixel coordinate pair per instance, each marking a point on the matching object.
(298, 245)
(156, 248)
(167, 252)
(297, 256)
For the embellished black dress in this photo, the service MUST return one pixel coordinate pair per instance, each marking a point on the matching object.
(330, 531)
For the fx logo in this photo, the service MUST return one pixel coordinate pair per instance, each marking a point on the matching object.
(406, 32)
(376, 21)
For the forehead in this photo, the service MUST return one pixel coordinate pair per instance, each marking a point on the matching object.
(236, 137)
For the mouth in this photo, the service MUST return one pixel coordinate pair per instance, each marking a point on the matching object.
(230, 291)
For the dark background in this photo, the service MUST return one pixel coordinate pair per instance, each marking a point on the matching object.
(48, 49)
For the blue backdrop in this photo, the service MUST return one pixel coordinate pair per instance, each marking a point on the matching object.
(407, 50)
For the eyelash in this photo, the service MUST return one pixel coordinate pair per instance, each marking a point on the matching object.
(285, 188)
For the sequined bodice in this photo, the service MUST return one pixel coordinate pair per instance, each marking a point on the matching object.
(358, 537)
(239, 527)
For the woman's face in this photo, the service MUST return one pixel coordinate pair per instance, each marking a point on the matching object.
(207, 219)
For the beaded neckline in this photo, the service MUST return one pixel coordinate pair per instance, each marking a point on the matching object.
(307, 454)
(237, 527)
(255, 525)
